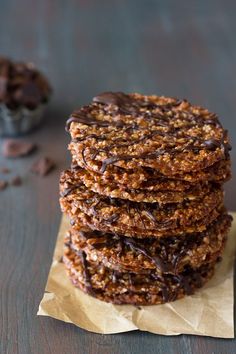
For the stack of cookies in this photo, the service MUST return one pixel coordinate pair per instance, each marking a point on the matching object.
(144, 196)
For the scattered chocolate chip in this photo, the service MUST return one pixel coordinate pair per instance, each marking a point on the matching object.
(16, 181)
(16, 148)
(3, 184)
(43, 166)
(5, 170)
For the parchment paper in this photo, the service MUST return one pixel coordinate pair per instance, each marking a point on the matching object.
(209, 312)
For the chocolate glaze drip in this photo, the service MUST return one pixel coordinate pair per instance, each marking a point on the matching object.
(165, 267)
(165, 293)
(146, 209)
(212, 144)
(83, 156)
(83, 116)
(150, 216)
(112, 219)
(184, 281)
(140, 216)
(90, 136)
(70, 189)
(114, 98)
(111, 160)
(84, 262)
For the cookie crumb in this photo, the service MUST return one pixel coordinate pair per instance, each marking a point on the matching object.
(16, 181)
(5, 170)
(43, 166)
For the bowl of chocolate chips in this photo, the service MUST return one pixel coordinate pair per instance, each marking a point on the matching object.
(24, 95)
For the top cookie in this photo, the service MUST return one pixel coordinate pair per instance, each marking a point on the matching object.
(133, 130)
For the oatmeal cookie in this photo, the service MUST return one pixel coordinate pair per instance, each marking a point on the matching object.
(133, 130)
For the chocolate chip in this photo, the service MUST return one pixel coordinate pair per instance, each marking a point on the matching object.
(5, 170)
(43, 166)
(16, 181)
(14, 148)
(3, 184)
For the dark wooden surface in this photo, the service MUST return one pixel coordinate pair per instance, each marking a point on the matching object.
(184, 49)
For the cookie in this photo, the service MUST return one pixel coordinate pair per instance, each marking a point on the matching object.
(168, 255)
(199, 226)
(73, 177)
(72, 182)
(152, 180)
(132, 130)
(132, 288)
(120, 214)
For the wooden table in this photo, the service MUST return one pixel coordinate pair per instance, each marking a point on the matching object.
(184, 49)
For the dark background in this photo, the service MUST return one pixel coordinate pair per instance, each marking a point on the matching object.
(175, 48)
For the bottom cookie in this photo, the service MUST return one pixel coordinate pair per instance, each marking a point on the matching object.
(143, 288)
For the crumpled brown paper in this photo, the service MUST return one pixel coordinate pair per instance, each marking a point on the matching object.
(209, 312)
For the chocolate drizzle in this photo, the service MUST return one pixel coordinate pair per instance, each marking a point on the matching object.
(70, 189)
(162, 265)
(82, 118)
(114, 98)
(129, 105)
(112, 219)
(211, 144)
(137, 245)
(84, 262)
